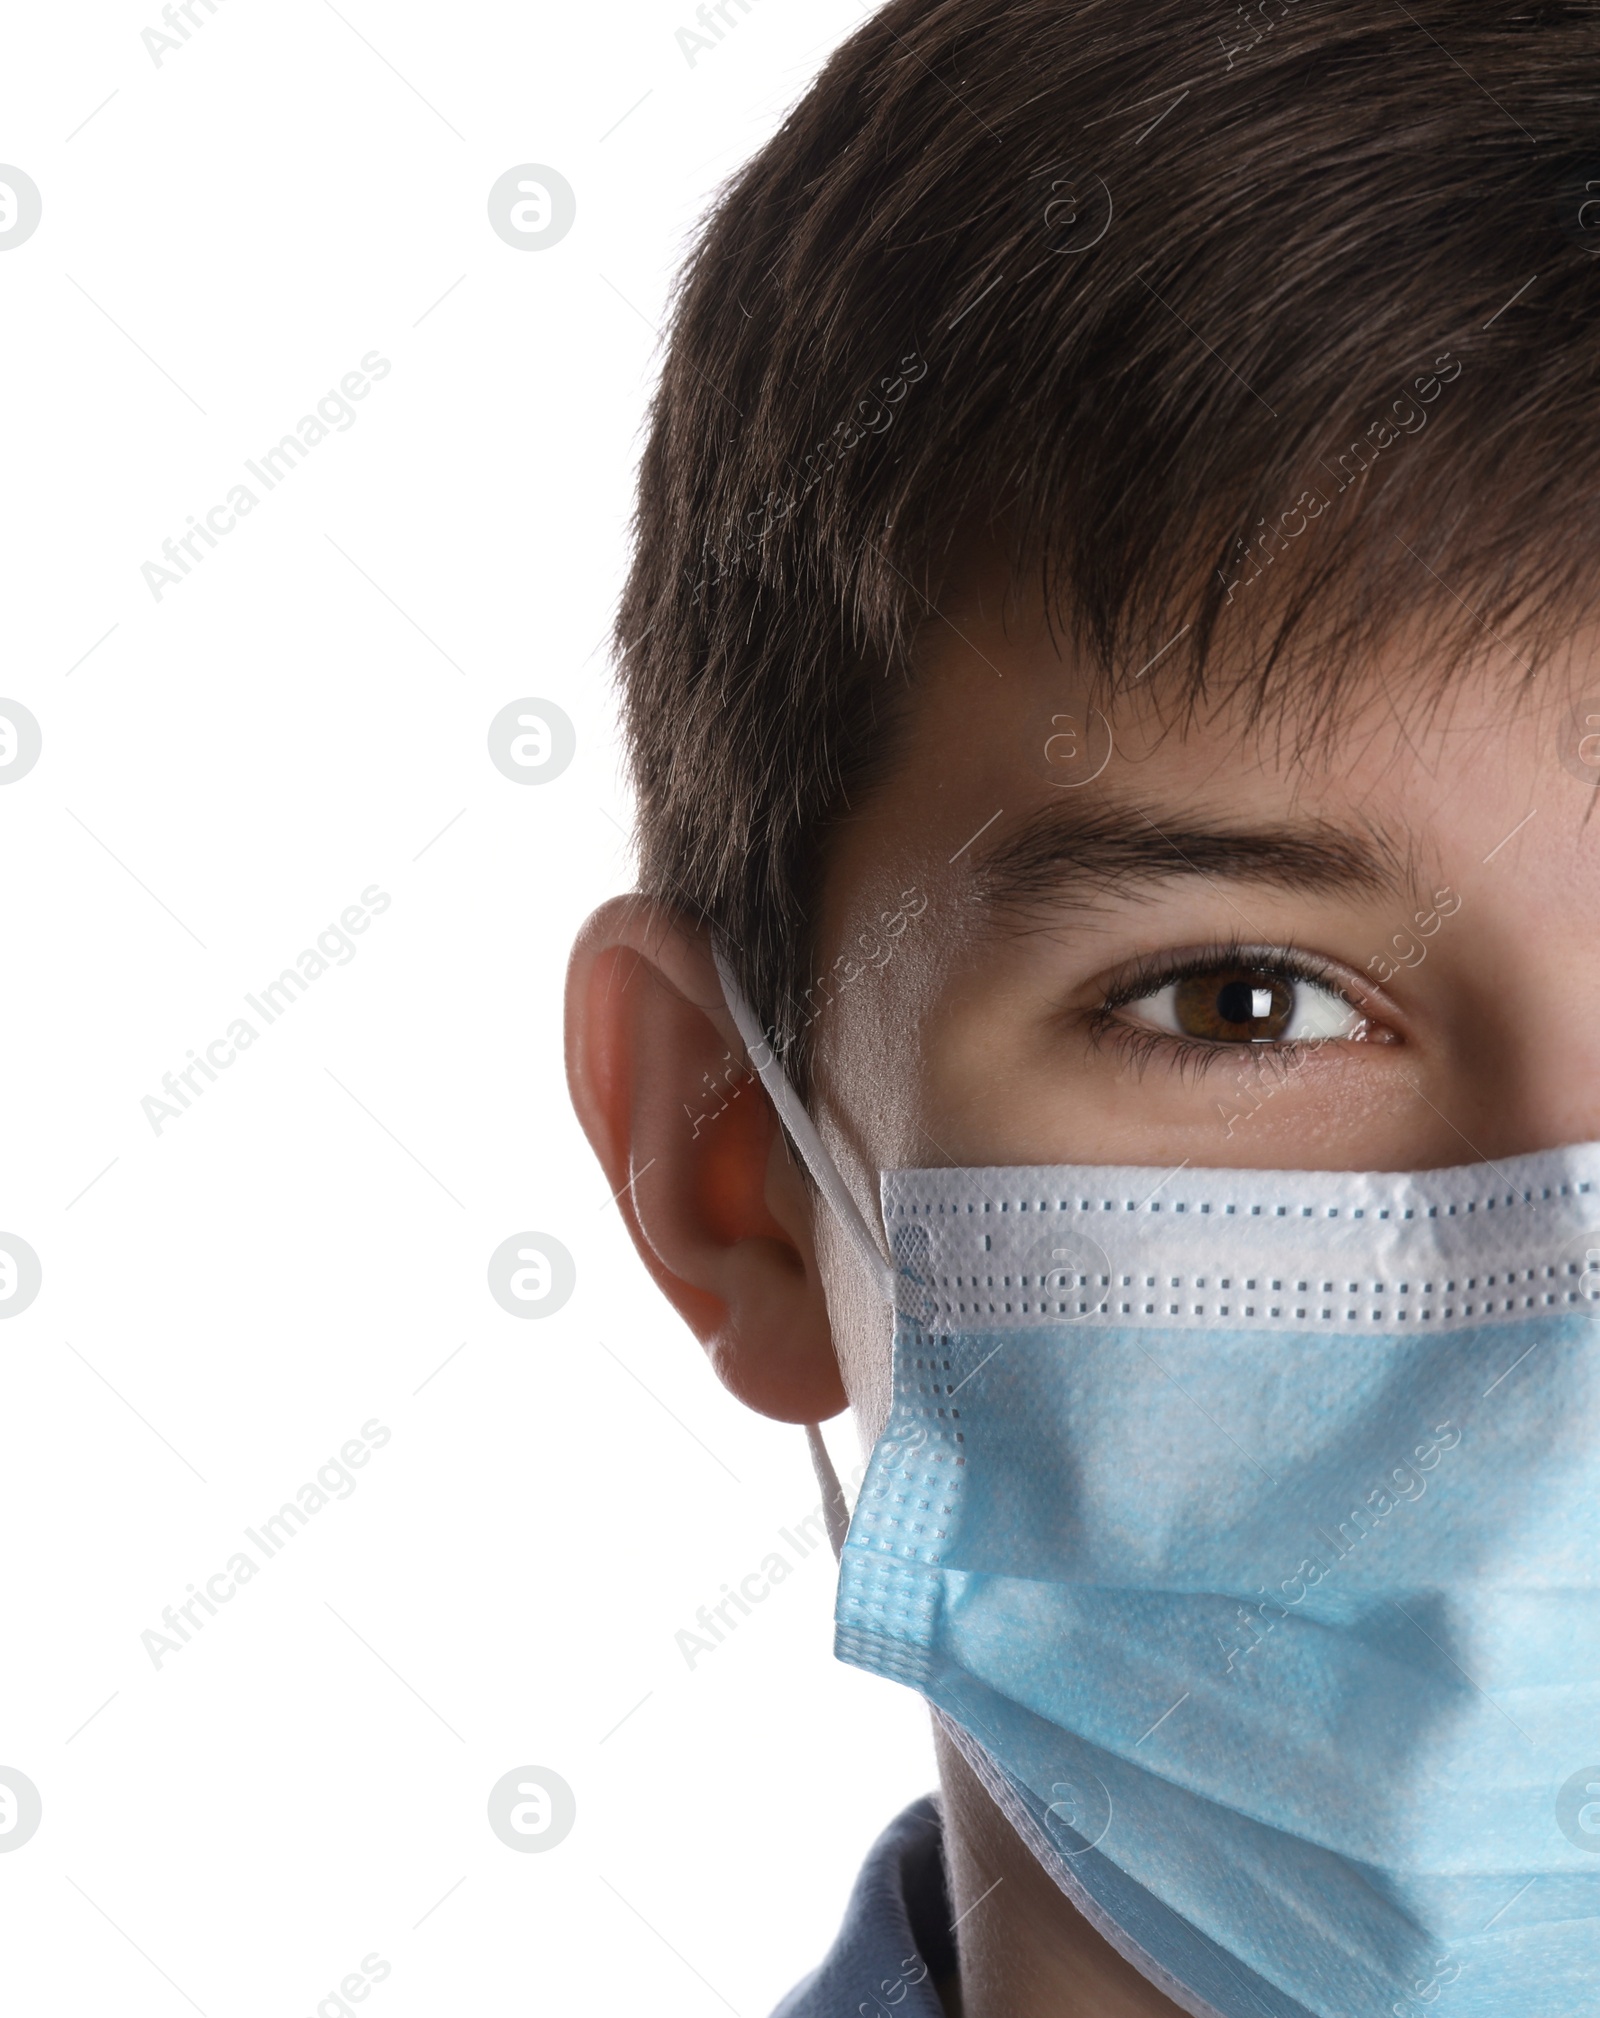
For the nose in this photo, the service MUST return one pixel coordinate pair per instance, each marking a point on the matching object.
(1524, 1039)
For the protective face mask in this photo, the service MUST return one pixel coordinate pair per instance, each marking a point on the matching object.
(1243, 1528)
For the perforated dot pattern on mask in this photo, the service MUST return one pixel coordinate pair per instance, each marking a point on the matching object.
(1009, 1248)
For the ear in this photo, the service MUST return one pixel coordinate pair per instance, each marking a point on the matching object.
(700, 1167)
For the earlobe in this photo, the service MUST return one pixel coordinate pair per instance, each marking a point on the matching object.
(701, 1170)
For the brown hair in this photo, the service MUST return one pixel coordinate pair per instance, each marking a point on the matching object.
(1129, 289)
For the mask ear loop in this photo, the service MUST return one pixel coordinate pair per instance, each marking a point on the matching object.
(835, 1514)
(825, 1174)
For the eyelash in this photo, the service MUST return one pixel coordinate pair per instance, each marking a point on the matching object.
(1193, 1057)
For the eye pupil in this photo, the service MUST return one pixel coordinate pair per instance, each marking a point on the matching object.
(1234, 1004)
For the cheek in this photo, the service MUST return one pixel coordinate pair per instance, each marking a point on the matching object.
(875, 1042)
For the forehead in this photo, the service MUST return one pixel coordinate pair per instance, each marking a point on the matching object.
(1411, 760)
(999, 671)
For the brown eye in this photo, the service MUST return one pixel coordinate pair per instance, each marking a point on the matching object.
(1235, 1005)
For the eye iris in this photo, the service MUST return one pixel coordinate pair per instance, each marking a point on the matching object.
(1223, 1005)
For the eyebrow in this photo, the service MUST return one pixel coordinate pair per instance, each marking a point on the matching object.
(1067, 852)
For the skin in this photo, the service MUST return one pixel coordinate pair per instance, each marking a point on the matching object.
(1443, 865)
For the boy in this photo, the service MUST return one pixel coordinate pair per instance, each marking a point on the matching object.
(1114, 701)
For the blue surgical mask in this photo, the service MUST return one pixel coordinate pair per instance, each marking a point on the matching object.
(1243, 1528)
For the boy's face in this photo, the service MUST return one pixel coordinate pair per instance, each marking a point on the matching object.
(1048, 939)
(1202, 948)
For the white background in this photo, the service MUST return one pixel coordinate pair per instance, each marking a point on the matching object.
(225, 1303)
